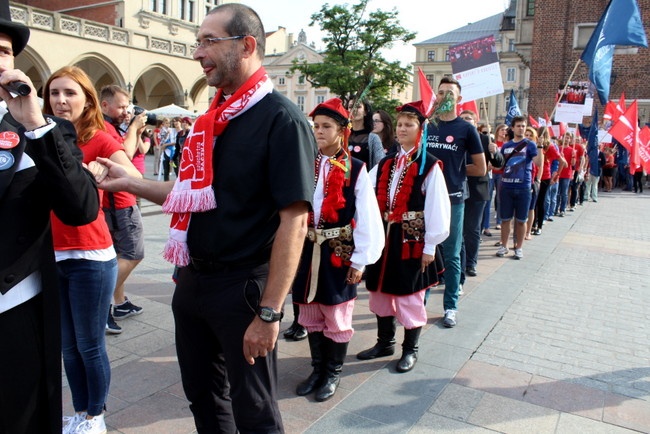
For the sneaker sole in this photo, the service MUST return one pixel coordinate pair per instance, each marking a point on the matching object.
(449, 325)
(126, 315)
(113, 331)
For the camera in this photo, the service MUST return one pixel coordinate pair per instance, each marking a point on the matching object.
(151, 117)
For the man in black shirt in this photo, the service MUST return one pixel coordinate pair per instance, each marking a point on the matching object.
(240, 208)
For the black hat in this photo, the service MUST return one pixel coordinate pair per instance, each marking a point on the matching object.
(19, 33)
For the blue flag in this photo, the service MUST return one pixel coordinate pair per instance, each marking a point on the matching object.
(513, 108)
(620, 25)
(592, 145)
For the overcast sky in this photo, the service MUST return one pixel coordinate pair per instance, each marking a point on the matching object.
(427, 19)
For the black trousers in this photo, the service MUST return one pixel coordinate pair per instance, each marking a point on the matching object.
(539, 206)
(25, 387)
(212, 311)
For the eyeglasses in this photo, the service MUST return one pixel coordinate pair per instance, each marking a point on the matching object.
(207, 42)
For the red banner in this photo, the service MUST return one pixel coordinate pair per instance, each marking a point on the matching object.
(626, 132)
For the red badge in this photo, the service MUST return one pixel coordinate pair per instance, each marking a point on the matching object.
(449, 139)
(8, 140)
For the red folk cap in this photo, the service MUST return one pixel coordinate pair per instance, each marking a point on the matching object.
(334, 109)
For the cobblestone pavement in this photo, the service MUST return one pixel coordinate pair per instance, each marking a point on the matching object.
(555, 343)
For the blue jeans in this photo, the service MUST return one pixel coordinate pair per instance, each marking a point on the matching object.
(86, 290)
(563, 194)
(451, 255)
(551, 200)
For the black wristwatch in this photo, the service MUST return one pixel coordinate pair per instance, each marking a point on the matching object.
(268, 314)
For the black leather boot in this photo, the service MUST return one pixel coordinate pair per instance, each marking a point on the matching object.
(334, 357)
(385, 345)
(409, 350)
(315, 379)
(295, 331)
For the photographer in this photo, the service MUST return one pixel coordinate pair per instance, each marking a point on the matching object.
(122, 213)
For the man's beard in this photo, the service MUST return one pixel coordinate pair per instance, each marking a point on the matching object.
(227, 71)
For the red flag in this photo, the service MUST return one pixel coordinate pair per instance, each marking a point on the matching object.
(610, 111)
(426, 93)
(532, 122)
(644, 147)
(626, 131)
(469, 105)
(562, 129)
(548, 120)
(621, 104)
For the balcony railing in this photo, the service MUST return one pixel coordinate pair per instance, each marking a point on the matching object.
(40, 19)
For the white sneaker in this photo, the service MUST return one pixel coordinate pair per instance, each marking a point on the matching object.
(519, 254)
(450, 318)
(95, 425)
(503, 250)
(460, 289)
(70, 423)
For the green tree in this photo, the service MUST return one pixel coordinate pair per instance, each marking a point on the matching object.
(352, 56)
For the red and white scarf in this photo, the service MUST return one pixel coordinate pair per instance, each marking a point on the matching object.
(193, 190)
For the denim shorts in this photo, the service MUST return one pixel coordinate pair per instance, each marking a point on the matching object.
(514, 201)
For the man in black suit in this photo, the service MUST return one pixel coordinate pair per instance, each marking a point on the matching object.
(40, 172)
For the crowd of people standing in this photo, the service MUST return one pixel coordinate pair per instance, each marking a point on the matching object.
(402, 204)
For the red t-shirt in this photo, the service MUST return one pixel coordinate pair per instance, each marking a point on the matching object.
(95, 235)
(551, 154)
(569, 155)
(122, 198)
(580, 151)
(494, 169)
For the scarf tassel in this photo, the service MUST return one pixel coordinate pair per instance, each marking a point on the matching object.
(176, 252)
(198, 200)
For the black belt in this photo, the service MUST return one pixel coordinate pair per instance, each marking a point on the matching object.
(207, 266)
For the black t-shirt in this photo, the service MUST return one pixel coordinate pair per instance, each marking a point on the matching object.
(263, 162)
(451, 142)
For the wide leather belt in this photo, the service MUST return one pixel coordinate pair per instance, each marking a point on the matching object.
(318, 236)
(412, 215)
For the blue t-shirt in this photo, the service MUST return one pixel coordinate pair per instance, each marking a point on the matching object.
(518, 171)
(450, 142)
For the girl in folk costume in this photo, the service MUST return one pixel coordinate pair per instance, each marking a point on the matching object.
(345, 234)
(415, 206)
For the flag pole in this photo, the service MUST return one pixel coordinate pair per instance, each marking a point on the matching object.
(559, 98)
(484, 109)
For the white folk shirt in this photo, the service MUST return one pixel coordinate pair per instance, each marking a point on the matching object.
(368, 233)
(437, 208)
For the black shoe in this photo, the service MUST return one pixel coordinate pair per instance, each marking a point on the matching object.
(316, 378)
(126, 309)
(470, 271)
(300, 334)
(334, 356)
(385, 345)
(409, 350)
(295, 332)
(111, 325)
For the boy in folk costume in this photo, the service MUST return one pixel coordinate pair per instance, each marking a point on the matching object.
(414, 203)
(345, 234)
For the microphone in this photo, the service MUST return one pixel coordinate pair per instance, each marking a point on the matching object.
(18, 87)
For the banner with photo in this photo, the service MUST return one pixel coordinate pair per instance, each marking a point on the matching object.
(576, 102)
(475, 64)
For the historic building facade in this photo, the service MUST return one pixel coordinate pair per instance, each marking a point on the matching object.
(145, 47)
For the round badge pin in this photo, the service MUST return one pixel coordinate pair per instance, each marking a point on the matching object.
(6, 160)
(8, 140)
(449, 139)
(357, 149)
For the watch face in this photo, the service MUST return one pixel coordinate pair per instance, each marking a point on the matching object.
(266, 314)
